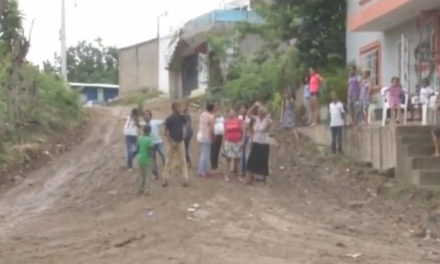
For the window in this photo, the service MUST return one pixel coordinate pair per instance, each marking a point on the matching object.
(371, 60)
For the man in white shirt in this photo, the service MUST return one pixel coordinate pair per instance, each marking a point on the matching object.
(336, 123)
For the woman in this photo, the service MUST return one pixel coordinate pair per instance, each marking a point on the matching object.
(364, 96)
(188, 133)
(233, 142)
(246, 136)
(219, 130)
(131, 133)
(306, 100)
(258, 162)
(314, 86)
(288, 114)
(394, 92)
(204, 137)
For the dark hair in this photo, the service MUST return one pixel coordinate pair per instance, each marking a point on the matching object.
(147, 129)
(368, 72)
(306, 79)
(314, 68)
(174, 106)
(395, 78)
(244, 105)
(352, 67)
(210, 107)
(148, 111)
(426, 80)
(134, 112)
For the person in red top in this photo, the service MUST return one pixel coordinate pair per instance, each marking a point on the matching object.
(315, 83)
(234, 131)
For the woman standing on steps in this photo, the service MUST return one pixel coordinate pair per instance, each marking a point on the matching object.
(131, 133)
(258, 162)
(288, 115)
(219, 130)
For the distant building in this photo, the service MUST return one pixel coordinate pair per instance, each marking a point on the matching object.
(142, 67)
(96, 92)
(395, 38)
(190, 53)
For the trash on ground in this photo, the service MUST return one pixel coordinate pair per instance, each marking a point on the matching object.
(354, 255)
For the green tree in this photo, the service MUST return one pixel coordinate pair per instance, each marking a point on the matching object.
(89, 62)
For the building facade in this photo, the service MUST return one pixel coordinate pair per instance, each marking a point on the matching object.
(142, 67)
(395, 38)
(96, 92)
(190, 56)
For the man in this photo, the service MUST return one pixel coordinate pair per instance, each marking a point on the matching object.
(174, 127)
(157, 147)
(436, 131)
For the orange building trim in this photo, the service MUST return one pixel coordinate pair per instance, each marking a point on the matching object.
(376, 45)
(371, 13)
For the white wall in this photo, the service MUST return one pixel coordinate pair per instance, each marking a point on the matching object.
(391, 51)
(164, 83)
(357, 40)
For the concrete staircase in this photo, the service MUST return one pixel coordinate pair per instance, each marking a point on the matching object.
(414, 156)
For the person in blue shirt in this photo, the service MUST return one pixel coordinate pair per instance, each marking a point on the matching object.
(157, 147)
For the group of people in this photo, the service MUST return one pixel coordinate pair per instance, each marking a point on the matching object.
(218, 135)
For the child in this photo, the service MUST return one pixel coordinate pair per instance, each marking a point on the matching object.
(364, 96)
(288, 114)
(394, 100)
(436, 131)
(353, 93)
(144, 148)
(336, 123)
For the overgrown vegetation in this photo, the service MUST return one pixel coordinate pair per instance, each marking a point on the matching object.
(297, 34)
(29, 99)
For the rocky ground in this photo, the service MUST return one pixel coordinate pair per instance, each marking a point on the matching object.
(316, 208)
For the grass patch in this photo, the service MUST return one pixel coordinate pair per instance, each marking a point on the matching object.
(134, 98)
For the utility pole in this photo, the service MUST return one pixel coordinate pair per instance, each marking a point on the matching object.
(63, 42)
(159, 17)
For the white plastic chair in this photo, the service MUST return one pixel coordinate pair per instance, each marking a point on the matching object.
(386, 106)
(431, 104)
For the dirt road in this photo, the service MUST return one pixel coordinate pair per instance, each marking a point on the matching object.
(82, 208)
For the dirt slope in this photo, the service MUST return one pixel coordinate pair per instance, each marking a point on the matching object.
(82, 208)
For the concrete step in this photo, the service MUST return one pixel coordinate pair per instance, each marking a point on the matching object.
(425, 163)
(413, 130)
(428, 177)
(417, 150)
(413, 140)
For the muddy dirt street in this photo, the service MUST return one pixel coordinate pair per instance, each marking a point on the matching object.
(82, 208)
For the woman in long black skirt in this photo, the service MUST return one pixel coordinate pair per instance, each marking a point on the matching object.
(258, 162)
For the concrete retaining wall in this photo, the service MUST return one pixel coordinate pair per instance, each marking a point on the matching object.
(374, 144)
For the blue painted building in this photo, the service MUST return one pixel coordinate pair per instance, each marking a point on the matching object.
(96, 92)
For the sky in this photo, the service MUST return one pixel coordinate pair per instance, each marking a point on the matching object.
(117, 22)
